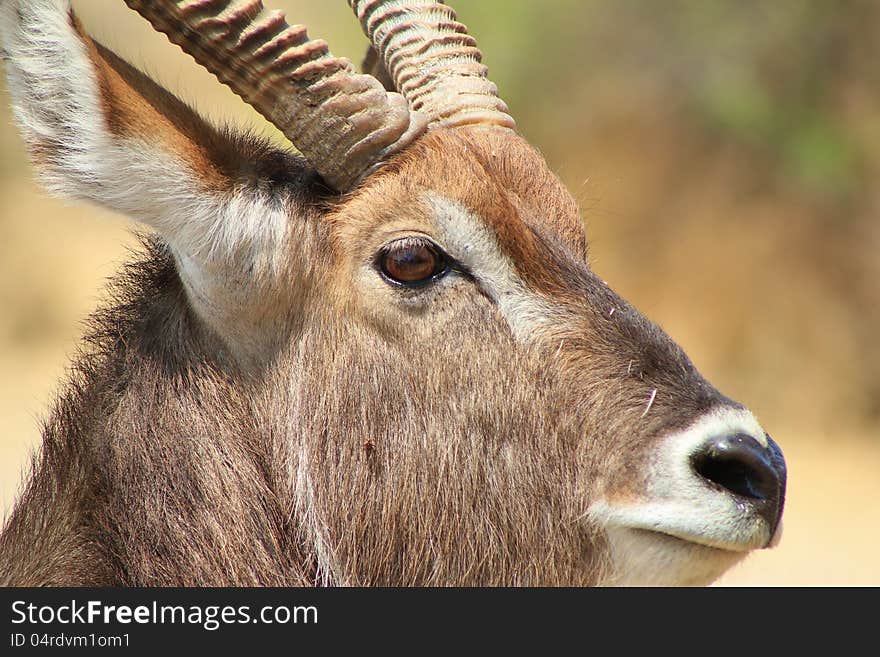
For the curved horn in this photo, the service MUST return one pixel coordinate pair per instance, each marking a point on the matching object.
(433, 61)
(342, 122)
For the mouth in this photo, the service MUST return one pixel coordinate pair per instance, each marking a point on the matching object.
(738, 529)
(672, 542)
(669, 544)
(669, 557)
(711, 541)
(695, 539)
(644, 557)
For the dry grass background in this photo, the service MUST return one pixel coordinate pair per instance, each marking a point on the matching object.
(752, 238)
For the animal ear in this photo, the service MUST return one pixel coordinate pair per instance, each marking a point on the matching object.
(99, 130)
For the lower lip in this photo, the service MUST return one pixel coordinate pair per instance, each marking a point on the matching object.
(733, 549)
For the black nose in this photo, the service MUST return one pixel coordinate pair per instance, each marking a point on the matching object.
(742, 466)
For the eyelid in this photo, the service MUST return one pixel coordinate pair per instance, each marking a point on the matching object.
(454, 264)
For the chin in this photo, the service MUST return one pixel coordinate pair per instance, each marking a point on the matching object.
(642, 557)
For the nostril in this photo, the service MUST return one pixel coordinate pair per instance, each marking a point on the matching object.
(739, 464)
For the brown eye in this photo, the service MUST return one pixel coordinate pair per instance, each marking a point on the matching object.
(411, 261)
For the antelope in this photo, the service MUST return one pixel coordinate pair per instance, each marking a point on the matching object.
(380, 359)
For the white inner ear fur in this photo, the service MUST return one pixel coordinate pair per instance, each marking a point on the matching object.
(226, 244)
(56, 101)
(469, 240)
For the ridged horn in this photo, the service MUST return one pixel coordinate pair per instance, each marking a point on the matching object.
(433, 61)
(343, 122)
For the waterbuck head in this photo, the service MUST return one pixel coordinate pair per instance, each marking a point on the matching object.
(384, 362)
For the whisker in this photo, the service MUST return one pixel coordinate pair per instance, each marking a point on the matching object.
(650, 402)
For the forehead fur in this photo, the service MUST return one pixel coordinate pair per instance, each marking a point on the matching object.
(494, 174)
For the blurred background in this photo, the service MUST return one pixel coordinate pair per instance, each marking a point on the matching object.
(725, 154)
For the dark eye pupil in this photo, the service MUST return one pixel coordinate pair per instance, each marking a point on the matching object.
(411, 261)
